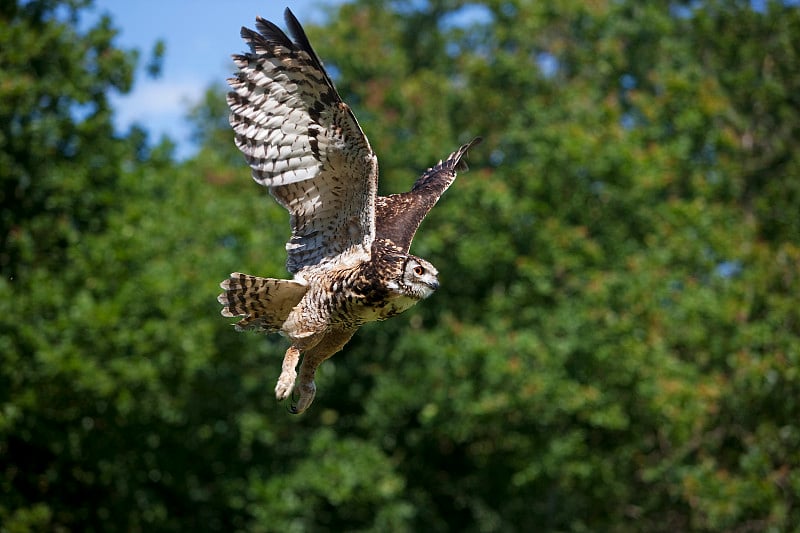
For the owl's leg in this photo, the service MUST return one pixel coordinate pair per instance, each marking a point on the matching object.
(331, 342)
(300, 344)
(306, 386)
(288, 374)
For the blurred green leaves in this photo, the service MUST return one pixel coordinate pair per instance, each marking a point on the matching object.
(615, 346)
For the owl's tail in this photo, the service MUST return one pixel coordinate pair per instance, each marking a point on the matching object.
(265, 303)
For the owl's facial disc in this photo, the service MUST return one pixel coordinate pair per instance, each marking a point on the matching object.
(420, 277)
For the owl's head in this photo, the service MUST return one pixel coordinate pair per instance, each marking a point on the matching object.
(420, 279)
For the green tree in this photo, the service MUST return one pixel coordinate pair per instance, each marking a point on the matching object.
(614, 347)
(622, 262)
(60, 160)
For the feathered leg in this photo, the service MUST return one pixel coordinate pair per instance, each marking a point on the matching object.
(331, 342)
(304, 336)
(300, 344)
(288, 374)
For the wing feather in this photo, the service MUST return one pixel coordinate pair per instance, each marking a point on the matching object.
(304, 144)
(398, 216)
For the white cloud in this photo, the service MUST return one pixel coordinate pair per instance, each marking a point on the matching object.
(160, 107)
(156, 98)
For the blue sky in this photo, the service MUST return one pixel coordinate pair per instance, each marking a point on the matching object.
(200, 37)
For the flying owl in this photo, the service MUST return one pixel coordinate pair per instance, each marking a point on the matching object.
(349, 248)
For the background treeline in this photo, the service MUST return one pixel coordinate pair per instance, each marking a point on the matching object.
(615, 347)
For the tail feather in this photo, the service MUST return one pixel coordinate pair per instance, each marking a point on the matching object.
(265, 303)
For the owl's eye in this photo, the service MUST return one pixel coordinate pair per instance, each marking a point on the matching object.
(418, 270)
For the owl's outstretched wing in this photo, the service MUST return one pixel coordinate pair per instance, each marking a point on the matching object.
(304, 144)
(398, 216)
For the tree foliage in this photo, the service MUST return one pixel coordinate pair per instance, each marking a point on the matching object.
(615, 345)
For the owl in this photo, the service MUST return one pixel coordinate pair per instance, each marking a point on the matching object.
(349, 248)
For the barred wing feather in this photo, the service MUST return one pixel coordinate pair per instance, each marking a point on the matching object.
(398, 216)
(304, 144)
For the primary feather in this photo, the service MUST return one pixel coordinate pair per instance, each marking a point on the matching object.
(304, 144)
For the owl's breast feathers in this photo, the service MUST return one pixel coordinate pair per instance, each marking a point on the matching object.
(365, 292)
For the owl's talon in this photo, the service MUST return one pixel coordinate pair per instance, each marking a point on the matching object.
(307, 393)
(291, 407)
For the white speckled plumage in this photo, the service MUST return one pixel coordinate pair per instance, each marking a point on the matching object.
(303, 143)
(349, 248)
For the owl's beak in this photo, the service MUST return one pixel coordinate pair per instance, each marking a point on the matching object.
(434, 284)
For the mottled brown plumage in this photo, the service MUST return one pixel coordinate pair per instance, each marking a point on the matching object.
(398, 216)
(349, 247)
